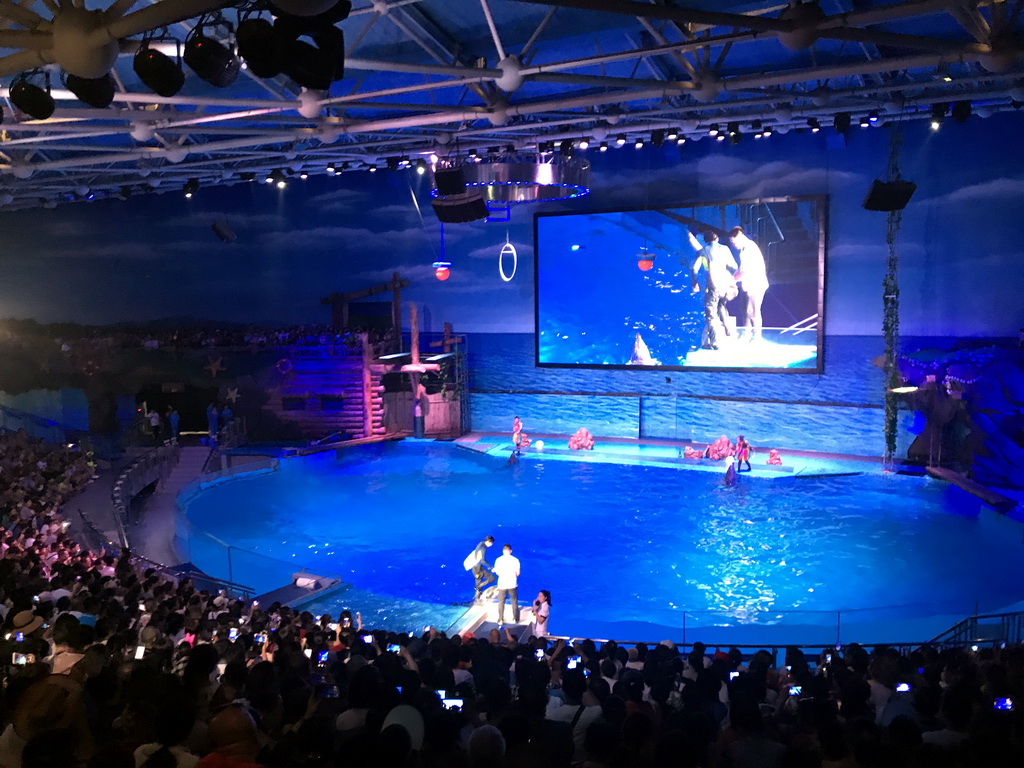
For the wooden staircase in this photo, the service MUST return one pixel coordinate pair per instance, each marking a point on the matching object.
(326, 390)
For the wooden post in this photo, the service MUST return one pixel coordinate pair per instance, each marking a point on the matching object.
(364, 339)
(396, 305)
(414, 332)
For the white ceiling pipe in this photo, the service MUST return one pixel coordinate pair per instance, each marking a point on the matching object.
(25, 38)
(895, 12)
(22, 60)
(27, 18)
(494, 29)
(154, 16)
(675, 13)
(455, 70)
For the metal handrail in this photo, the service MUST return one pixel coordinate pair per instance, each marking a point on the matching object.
(145, 470)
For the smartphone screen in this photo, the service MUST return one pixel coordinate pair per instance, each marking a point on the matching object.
(19, 637)
(394, 648)
(261, 637)
(232, 634)
(454, 704)
(19, 658)
(733, 675)
(140, 651)
(321, 657)
(796, 690)
(902, 687)
(367, 639)
(1003, 705)
(540, 654)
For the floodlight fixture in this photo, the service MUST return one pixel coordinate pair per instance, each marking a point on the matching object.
(620, 140)
(603, 147)
(713, 130)
(191, 187)
(584, 143)
(938, 113)
(158, 71)
(210, 59)
(260, 46)
(639, 144)
(34, 100)
(813, 124)
(658, 137)
(97, 92)
(672, 134)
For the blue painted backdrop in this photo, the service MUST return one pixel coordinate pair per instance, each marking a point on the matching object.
(154, 256)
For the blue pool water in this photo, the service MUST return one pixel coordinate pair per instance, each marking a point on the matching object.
(623, 544)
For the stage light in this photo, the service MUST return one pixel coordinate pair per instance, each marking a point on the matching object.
(277, 178)
(841, 122)
(473, 155)
(873, 117)
(442, 270)
(566, 148)
(813, 124)
(421, 166)
(331, 169)
(260, 46)
(657, 137)
(961, 111)
(865, 122)
(733, 128)
(639, 144)
(938, 113)
(372, 168)
(767, 131)
(672, 134)
(191, 187)
(756, 128)
(34, 101)
(620, 140)
(158, 71)
(315, 67)
(584, 144)
(644, 261)
(713, 130)
(681, 140)
(403, 162)
(604, 146)
(248, 176)
(211, 60)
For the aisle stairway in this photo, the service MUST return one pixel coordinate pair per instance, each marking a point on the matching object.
(153, 535)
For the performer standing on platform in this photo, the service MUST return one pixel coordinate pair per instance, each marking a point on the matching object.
(507, 569)
(719, 286)
(476, 562)
(742, 453)
(519, 438)
(541, 613)
(753, 278)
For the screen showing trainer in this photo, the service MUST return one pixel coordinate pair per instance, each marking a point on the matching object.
(736, 285)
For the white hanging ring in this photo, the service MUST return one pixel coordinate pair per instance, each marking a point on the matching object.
(508, 250)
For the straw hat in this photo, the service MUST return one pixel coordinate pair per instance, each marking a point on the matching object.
(26, 622)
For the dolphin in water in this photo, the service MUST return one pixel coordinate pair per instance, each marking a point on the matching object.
(641, 354)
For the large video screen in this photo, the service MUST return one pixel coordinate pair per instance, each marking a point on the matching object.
(735, 285)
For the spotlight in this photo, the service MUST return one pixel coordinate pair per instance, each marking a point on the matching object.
(938, 113)
(421, 166)
(213, 61)
(657, 137)
(372, 168)
(316, 67)
(672, 134)
(639, 143)
(873, 117)
(620, 140)
(813, 124)
(158, 71)
(713, 130)
(269, 178)
(961, 111)
(767, 131)
(191, 187)
(331, 169)
(248, 176)
(841, 122)
(865, 122)
(277, 178)
(260, 46)
(604, 146)
(303, 175)
(30, 98)
(473, 155)
(403, 161)
(96, 92)
(734, 128)
(757, 129)
(681, 140)
(566, 148)
(584, 144)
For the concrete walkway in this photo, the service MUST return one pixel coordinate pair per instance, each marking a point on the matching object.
(153, 534)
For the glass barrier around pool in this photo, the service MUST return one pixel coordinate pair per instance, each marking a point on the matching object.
(216, 557)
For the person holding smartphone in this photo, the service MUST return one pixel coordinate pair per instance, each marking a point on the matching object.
(541, 613)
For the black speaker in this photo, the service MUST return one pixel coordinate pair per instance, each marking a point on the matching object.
(223, 232)
(889, 195)
(460, 209)
(449, 181)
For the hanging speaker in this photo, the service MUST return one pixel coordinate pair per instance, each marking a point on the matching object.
(461, 209)
(449, 181)
(889, 195)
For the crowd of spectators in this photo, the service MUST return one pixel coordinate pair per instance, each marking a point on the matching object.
(110, 664)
